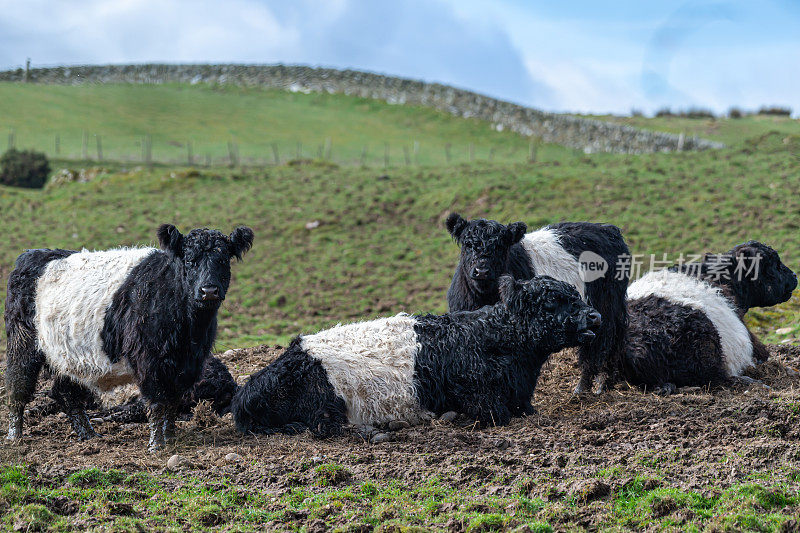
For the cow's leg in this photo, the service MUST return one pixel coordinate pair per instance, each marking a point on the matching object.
(72, 398)
(23, 364)
(486, 409)
(170, 414)
(156, 416)
(587, 375)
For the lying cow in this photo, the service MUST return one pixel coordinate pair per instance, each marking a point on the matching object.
(686, 323)
(215, 386)
(490, 249)
(99, 320)
(484, 364)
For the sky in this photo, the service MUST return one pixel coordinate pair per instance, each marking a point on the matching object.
(589, 56)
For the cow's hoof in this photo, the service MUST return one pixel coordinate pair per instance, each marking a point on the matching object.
(87, 435)
(580, 389)
(155, 448)
(666, 389)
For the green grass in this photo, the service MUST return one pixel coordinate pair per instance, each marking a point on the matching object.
(92, 499)
(212, 116)
(380, 247)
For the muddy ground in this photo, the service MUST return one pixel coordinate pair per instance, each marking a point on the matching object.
(696, 439)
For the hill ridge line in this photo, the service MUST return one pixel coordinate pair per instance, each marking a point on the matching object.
(588, 135)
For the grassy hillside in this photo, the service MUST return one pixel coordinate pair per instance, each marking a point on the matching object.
(732, 132)
(722, 459)
(380, 247)
(338, 126)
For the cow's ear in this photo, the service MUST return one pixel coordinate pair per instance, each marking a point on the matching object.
(456, 224)
(506, 286)
(516, 232)
(170, 239)
(241, 241)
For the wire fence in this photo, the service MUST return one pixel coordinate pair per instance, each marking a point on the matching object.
(146, 150)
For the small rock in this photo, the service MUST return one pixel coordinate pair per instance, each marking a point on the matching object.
(783, 331)
(229, 353)
(787, 341)
(381, 437)
(449, 416)
(312, 225)
(176, 461)
(233, 457)
(318, 459)
(96, 420)
(395, 425)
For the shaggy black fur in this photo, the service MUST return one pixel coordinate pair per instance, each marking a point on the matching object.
(162, 320)
(483, 363)
(769, 284)
(490, 249)
(291, 394)
(673, 345)
(215, 385)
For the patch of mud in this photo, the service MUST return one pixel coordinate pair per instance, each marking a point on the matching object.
(694, 439)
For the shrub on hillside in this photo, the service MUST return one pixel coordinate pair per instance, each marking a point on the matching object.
(735, 112)
(775, 110)
(696, 112)
(24, 168)
(665, 112)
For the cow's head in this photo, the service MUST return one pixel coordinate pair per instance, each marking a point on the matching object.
(550, 312)
(757, 276)
(485, 246)
(206, 258)
(215, 385)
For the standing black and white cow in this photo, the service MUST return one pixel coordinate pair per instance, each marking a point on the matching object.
(483, 363)
(490, 249)
(101, 319)
(686, 323)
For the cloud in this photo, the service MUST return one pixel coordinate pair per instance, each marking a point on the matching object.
(413, 38)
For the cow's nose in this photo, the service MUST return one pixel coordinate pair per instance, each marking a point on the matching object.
(594, 318)
(479, 272)
(209, 293)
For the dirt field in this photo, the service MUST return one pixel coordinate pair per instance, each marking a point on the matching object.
(578, 455)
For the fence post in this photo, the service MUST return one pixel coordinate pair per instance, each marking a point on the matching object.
(99, 147)
(471, 152)
(447, 152)
(58, 144)
(85, 146)
(276, 156)
(299, 152)
(491, 154)
(233, 160)
(11, 140)
(189, 153)
(406, 156)
(416, 153)
(208, 159)
(385, 155)
(328, 148)
(364, 155)
(532, 149)
(27, 70)
(148, 141)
